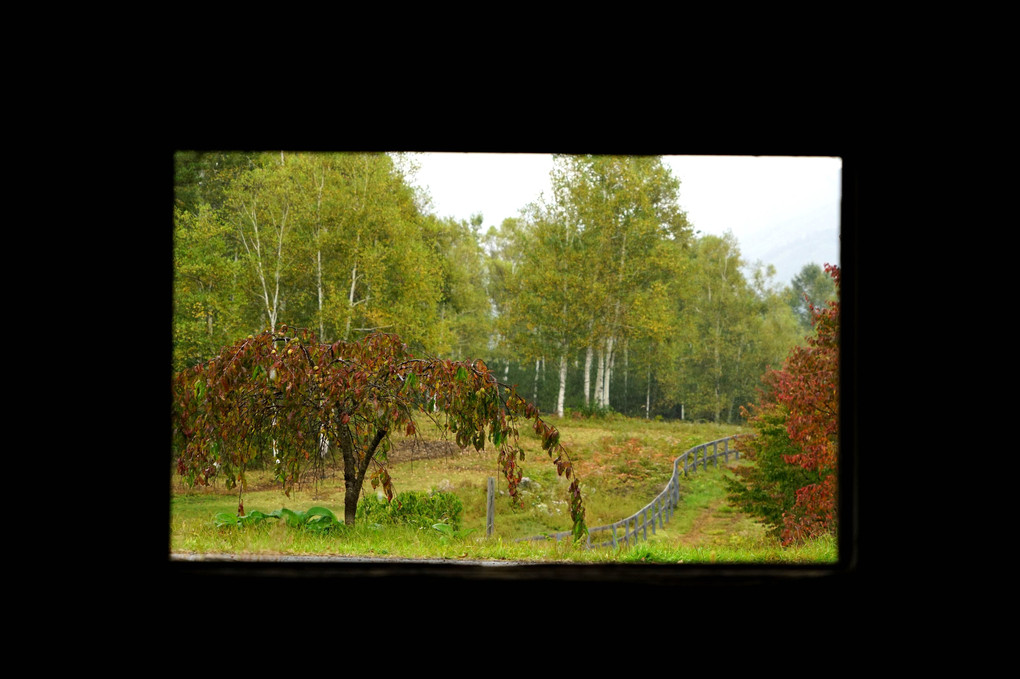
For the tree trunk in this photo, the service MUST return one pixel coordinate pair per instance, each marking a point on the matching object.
(350, 303)
(587, 374)
(609, 359)
(563, 384)
(534, 391)
(718, 367)
(648, 396)
(626, 376)
(355, 467)
(318, 283)
(318, 255)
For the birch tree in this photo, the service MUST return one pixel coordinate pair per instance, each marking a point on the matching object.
(737, 329)
(387, 276)
(259, 203)
(464, 323)
(624, 209)
(205, 314)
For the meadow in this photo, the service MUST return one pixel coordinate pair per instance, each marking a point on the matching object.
(622, 463)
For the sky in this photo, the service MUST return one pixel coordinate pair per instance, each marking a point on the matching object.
(783, 211)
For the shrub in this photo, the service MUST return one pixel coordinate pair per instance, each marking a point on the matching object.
(768, 488)
(315, 519)
(589, 411)
(797, 421)
(415, 508)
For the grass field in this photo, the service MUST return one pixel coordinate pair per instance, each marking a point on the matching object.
(622, 464)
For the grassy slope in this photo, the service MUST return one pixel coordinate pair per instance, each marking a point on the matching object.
(622, 464)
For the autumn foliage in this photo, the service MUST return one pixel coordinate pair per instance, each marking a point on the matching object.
(303, 400)
(796, 448)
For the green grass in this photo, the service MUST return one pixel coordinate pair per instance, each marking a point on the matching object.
(622, 464)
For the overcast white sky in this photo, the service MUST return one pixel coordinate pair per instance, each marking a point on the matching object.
(782, 210)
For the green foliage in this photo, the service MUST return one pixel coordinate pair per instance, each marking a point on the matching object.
(733, 330)
(294, 393)
(464, 326)
(313, 519)
(590, 410)
(768, 488)
(204, 314)
(601, 447)
(448, 532)
(414, 508)
(797, 420)
(812, 287)
(225, 519)
(343, 243)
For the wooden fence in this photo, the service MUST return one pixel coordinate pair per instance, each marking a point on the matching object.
(660, 510)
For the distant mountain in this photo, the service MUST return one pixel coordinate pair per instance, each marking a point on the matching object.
(809, 238)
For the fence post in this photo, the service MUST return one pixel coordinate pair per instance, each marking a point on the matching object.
(490, 507)
(715, 453)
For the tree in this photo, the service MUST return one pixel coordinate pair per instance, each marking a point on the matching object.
(384, 273)
(205, 312)
(811, 287)
(796, 447)
(260, 202)
(333, 241)
(731, 331)
(202, 177)
(464, 323)
(718, 305)
(544, 313)
(625, 213)
(289, 389)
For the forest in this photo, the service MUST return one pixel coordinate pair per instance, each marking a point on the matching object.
(599, 297)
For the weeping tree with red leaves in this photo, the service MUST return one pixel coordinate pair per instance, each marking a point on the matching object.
(304, 400)
(793, 484)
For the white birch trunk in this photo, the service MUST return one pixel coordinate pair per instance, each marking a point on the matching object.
(587, 374)
(279, 266)
(323, 445)
(276, 452)
(318, 259)
(563, 384)
(253, 247)
(606, 381)
(626, 373)
(534, 391)
(350, 303)
(318, 283)
(648, 397)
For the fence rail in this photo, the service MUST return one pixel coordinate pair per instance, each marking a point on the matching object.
(660, 510)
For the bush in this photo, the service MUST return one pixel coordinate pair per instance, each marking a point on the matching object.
(768, 489)
(315, 519)
(589, 411)
(414, 508)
